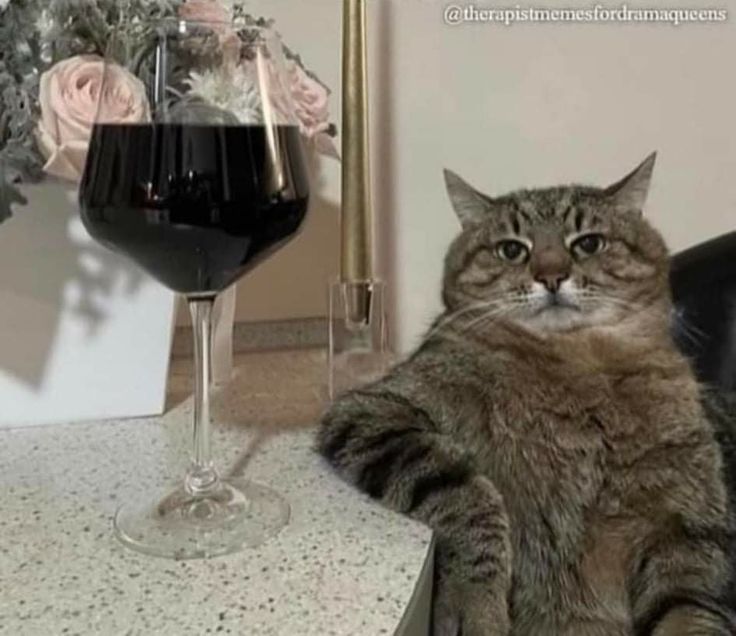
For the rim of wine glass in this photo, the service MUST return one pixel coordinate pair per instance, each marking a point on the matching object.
(267, 34)
(270, 37)
(238, 22)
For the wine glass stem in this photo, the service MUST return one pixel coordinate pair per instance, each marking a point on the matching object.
(201, 478)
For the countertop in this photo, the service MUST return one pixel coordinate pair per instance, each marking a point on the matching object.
(343, 566)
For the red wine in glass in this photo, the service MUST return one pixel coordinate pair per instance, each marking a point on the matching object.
(197, 206)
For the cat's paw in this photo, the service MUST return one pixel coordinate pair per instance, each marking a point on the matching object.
(465, 609)
(695, 621)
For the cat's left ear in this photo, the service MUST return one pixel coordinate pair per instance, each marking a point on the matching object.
(470, 205)
(630, 194)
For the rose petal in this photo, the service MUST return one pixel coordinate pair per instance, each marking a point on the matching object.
(71, 92)
(310, 99)
(205, 11)
(47, 113)
(72, 128)
(63, 98)
(67, 162)
(324, 145)
(46, 141)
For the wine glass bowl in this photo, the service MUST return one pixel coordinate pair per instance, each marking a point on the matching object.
(197, 175)
(195, 226)
(200, 194)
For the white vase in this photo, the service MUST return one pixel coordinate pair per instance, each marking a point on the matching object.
(84, 333)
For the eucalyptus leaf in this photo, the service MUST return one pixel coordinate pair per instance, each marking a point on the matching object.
(9, 195)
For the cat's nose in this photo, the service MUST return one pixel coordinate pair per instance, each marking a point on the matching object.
(552, 280)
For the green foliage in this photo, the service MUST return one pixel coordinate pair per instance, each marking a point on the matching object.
(9, 194)
(20, 56)
(93, 26)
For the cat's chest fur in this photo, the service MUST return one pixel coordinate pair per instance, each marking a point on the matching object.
(564, 438)
(562, 421)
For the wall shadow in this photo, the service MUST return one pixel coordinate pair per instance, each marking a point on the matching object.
(51, 268)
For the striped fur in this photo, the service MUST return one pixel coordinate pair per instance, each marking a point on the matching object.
(566, 463)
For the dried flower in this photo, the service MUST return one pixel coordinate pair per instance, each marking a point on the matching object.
(234, 92)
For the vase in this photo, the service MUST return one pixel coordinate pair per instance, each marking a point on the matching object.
(84, 333)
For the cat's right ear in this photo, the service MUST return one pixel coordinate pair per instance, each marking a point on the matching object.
(630, 194)
(470, 205)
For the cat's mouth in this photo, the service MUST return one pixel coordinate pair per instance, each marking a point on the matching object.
(555, 302)
(555, 311)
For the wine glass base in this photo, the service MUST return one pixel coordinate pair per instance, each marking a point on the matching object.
(238, 514)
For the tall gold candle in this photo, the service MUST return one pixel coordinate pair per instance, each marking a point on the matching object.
(356, 250)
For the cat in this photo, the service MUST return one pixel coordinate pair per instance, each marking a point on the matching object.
(549, 431)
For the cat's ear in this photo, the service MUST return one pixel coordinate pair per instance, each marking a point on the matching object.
(470, 205)
(630, 194)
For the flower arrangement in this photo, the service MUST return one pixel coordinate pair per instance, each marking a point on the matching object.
(50, 76)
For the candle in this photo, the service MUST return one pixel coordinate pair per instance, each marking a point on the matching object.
(356, 249)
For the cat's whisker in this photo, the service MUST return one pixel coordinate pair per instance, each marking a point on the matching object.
(504, 309)
(447, 320)
(482, 319)
(606, 299)
(695, 335)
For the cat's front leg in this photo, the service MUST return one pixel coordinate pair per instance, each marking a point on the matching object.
(462, 608)
(472, 564)
(681, 587)
(389, 448)
(693, 620)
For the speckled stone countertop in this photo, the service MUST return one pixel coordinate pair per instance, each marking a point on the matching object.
(343, 566)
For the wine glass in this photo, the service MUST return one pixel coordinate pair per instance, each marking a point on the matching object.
(198, 178)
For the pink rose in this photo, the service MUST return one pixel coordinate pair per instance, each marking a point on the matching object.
(206, 11)
(310, 100)
(219, 18)
(311, 107)
(69, 96)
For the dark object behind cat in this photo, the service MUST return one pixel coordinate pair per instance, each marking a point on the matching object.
(549, 430)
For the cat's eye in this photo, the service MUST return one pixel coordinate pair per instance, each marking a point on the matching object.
(588, 244)
(512, 251)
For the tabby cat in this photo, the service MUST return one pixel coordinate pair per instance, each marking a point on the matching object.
(549, 431)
